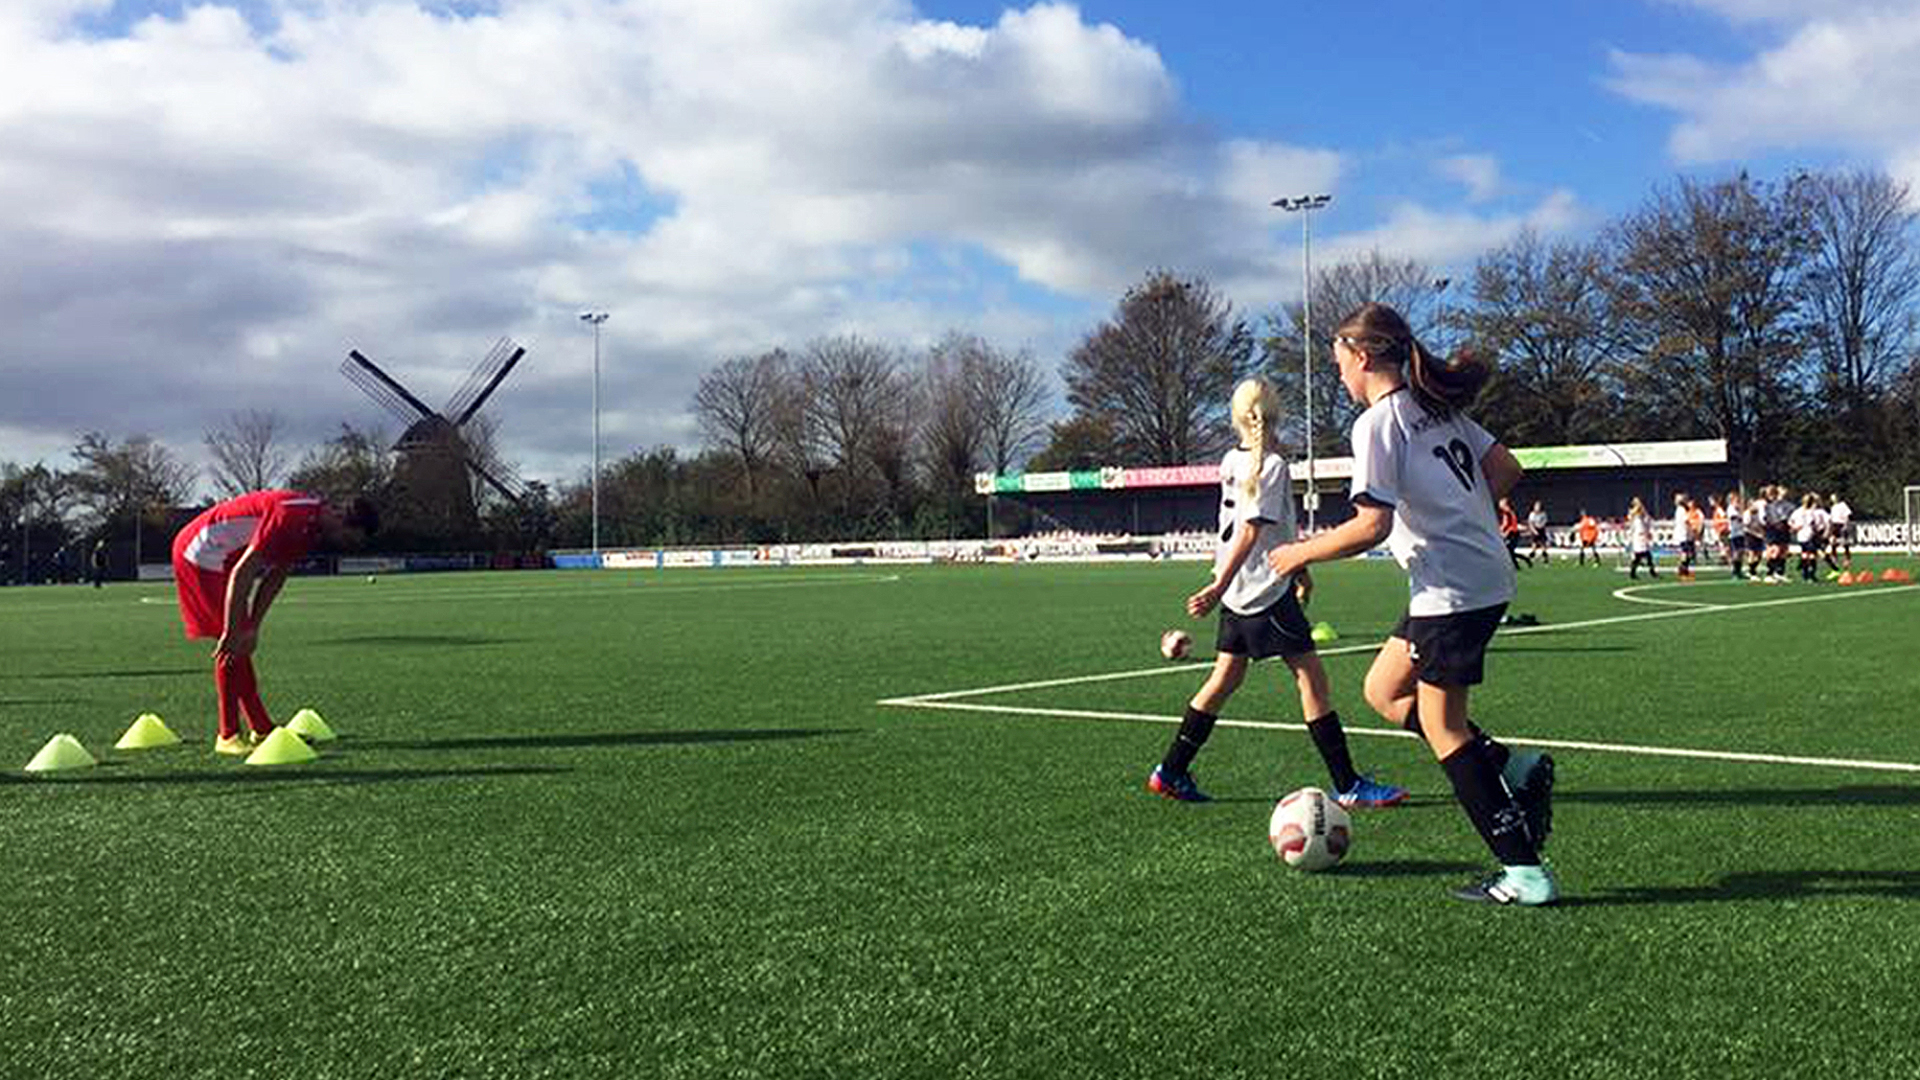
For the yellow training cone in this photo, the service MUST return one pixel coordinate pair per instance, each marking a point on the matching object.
(282, 747)
(148, 732)
(63, 751)
(307, 724)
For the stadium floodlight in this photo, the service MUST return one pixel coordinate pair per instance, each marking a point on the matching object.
(1305, 205)
(596, 318)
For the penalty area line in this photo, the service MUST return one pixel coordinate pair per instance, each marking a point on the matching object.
(1521, 740)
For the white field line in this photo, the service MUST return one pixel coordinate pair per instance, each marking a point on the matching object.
(575, 593)
(1545, 628)
(1519, 740)
(1627, 593)
(950, 699)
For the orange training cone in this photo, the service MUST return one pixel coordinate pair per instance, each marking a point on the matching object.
(1846, 577)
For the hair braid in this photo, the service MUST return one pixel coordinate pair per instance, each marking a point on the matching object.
(1257, 429)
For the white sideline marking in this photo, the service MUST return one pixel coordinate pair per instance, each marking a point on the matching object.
(949, 699)
(578, 592)
(1518, 740)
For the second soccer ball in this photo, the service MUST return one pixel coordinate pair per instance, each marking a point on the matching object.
(1175, 644)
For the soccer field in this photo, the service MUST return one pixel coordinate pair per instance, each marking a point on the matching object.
(889, 822)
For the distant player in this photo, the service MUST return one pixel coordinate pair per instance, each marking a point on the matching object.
(1260, 612)
(1425, 479)
(1510, 533)
(1683, 537)
(1756, 525)
(1779, 534)
(1588, 531)
(1717, 522)
(1537, 530)
(228, 566)
(1840, 522)
(1736, 534)
(1640, 539)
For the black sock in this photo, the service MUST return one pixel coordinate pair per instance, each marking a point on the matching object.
(1484, 796)
(1195, 726)
(1496, 750)
(1331, 740)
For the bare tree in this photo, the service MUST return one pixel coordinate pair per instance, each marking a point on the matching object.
(1161, 370)
(1010, 404)
(736, 406)
(1863, 283)
(354, 462)
(1544, 310)
(1406, 285)
(127, 479)
(851, 386)
(1708, 277)
(951, 435)
(245, 455)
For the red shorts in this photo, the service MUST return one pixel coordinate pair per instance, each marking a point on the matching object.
(203, 596)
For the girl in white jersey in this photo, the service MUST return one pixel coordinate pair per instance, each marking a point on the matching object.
(1260, 614)
(1425, 479)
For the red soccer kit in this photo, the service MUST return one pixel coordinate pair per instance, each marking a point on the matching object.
(283, 525)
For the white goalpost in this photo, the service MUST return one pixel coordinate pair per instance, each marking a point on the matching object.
(1911, 497)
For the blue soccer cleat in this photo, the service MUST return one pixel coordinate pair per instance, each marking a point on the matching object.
(1526, 886)
(1176, 786)
(1368, 792)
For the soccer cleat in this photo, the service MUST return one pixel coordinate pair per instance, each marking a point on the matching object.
(1176, 786)
(1527, 886)
(1368, 792)
(1534, 793)
(238, 744)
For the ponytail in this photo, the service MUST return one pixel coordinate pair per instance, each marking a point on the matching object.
(1444, 386)
(1257, 434)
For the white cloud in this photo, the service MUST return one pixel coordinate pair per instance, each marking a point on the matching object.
(1443, 238)
(1844, 77)
(210, 210)
(1478, 173)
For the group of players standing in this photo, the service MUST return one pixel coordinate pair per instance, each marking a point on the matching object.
(1749, 534)
(1754, 536)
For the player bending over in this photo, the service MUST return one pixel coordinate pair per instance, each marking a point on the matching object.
(229, 564)
(1425, 478)
(1260, 613)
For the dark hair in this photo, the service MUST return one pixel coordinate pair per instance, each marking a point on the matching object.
(1441, 386)
(362, 514)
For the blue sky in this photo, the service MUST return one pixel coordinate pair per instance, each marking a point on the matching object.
(220, 198)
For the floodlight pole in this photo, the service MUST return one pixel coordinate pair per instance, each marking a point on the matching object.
(596, 318)
(1306, 205)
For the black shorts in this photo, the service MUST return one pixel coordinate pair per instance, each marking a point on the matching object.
(1777, 536)
(1450, 650)
(1752, 543)
(1280, 630)
(1687, 548)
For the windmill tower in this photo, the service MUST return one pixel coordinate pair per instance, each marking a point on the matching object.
(444, 460)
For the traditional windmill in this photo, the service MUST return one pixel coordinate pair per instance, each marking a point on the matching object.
(440, 461)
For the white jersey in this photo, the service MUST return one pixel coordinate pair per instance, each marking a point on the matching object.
(1756, 517)
(1640, 532)
(1256, 587)
(1822, 521)
(1446, 534)
(1802, 522)
(1840, 515)
(1681, 528)
(1537, 521)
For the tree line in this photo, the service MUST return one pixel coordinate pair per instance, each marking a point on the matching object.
(1781, 315)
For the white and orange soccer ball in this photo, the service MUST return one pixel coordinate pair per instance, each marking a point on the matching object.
(1310, 831)
(1175, 644)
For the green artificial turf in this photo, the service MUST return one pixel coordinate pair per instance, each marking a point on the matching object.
(658, 824)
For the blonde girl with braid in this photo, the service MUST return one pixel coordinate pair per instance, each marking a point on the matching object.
(1260, 610)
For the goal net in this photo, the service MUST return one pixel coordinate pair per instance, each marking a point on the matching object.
(1912, 499)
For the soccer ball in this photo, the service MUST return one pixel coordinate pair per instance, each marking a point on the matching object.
(1310, 831)
(1175, 644)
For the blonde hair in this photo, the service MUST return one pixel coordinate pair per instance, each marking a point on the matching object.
(1255, 410)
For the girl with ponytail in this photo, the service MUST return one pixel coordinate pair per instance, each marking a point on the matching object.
(1260, 610)
(1425, 480)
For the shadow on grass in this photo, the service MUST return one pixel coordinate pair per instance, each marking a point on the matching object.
(131, 673)
(1766, 885)
(558, 740)
(420, 641)
(318, 775)
(1404, 868)
(1865, 795)
(1511, 650)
